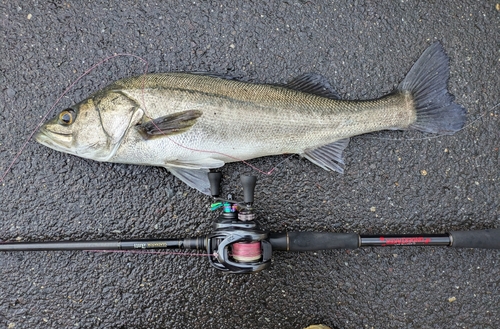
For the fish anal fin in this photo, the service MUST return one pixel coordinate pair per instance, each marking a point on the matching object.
(171, 124)
(313, 83)
(328, 157)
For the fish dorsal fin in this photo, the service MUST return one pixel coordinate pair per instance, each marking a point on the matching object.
(171, 124)
(328, 156)
(313, 83)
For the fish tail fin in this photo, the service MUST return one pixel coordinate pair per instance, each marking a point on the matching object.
(427, 83)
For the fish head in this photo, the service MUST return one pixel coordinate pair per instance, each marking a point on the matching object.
(93, 128)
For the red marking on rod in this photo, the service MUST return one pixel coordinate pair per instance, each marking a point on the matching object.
(404, 241)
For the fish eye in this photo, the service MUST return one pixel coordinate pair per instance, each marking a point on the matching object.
(67, 117)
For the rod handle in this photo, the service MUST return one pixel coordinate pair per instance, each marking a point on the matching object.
(311, 241)
(485, 239)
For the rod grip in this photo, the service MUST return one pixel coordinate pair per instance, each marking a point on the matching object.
(311, 241)
(485, 239)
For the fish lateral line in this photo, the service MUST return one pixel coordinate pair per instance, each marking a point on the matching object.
(256, 120)
(465, 127)
(166, 135)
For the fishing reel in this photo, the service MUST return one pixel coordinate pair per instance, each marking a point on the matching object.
(237, 244)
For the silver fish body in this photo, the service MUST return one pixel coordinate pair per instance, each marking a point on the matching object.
(189, 123)
(247, 120)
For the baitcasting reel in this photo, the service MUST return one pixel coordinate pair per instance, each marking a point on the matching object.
(239, 245)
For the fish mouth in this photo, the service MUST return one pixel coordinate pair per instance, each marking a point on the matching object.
(55, 140)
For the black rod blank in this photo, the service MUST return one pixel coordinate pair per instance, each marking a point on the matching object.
(290, 241)
(190, 243)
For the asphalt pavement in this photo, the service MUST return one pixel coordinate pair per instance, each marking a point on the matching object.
(394, 182)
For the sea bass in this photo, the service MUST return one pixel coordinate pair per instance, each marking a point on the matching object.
(190, 122)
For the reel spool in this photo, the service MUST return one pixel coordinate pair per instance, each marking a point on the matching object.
(246, 252)
(239, 245)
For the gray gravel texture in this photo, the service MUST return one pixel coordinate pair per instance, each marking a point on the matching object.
(394, 181)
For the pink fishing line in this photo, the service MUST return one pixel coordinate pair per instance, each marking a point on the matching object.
(44, 118)
(154, 252)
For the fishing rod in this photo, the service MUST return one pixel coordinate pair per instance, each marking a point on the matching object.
(238, 244)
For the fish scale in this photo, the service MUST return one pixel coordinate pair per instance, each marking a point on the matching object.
(191, 122)
(297, 120)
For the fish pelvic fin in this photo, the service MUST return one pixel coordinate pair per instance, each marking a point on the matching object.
(195, 178)
(195, 172)
(328, 157)
(171, 124)
(427, 84)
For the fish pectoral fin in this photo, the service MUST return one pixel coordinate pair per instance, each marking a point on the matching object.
(328, 157)
(313, 83)
(171, 124)
(195, 178)
(206, 163)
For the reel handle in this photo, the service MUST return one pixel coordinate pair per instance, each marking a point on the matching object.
(214, 178)
(248, 183)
